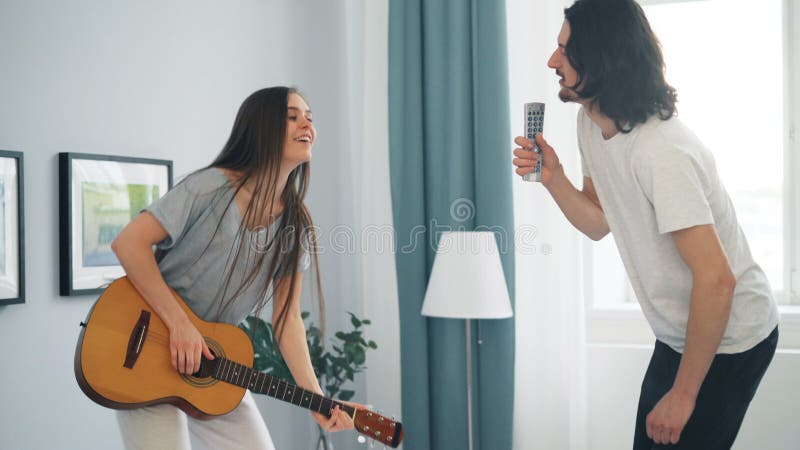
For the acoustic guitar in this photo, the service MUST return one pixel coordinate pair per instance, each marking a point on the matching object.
(123, 361)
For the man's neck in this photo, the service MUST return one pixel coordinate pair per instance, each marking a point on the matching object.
(607, 125)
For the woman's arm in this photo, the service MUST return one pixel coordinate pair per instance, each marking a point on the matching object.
(294, 348)
(134, 249)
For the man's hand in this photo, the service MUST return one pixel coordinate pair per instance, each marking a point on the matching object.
(526, 159)
(666, 421)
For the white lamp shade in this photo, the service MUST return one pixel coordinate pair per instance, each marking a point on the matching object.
(467, 279)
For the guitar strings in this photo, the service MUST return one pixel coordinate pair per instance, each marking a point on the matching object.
(163, 340)
(158, 338)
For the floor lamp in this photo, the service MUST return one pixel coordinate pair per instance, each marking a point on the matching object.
(467, 282)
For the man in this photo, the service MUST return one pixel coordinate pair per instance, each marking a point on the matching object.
(651, 182)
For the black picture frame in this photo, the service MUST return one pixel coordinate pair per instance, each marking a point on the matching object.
(91, 218)
(12, 241)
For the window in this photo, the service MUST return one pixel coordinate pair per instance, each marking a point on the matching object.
(726, 59)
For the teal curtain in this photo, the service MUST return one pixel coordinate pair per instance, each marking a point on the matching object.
(450, 158)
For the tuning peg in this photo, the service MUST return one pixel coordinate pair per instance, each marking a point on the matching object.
(361, 439)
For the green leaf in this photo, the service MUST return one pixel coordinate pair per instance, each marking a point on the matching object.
(334, 364)
(359, 356)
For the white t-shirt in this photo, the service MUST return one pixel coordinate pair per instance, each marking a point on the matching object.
(657, 179)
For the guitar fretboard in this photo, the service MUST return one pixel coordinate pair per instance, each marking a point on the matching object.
(263, 383)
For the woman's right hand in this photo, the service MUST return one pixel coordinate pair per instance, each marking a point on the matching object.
(526, 158)
(186, 347)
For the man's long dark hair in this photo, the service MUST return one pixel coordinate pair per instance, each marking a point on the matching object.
(618, 61)
(254, 151)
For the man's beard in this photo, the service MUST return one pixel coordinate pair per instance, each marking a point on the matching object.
(567, 95)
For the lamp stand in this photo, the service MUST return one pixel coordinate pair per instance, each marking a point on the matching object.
(469, 380)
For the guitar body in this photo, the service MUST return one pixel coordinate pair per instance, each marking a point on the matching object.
(123, 361)
(115, 334)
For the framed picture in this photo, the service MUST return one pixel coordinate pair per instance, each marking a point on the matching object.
(98, 196)
(12, 229)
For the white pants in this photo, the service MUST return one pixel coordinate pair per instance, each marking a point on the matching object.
(167, 427)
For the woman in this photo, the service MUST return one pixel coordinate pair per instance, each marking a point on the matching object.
(229, 238)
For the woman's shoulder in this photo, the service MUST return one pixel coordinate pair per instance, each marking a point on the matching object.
(205, 181)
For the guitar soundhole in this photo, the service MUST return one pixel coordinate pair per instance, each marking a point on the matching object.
(203, 377)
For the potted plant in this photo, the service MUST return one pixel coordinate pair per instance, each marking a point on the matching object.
(334, 367)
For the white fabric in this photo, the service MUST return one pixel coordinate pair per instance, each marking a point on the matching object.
(165, 427)
(379, 276)
(657, 179)
(550, 388)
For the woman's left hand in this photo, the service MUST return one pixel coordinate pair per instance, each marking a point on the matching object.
(339, 420)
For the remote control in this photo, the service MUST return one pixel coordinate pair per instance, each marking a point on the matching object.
(534, 123)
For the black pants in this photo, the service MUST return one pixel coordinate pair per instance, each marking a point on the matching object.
(721, 403)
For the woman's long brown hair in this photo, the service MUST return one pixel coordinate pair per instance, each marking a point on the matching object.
(254, 151)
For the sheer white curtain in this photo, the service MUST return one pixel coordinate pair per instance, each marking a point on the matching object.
(370, 128)
(550, 392)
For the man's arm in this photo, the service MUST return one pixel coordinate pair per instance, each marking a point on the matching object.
(581, 208)
(712, 296)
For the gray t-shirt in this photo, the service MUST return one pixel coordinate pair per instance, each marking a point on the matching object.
(657, 179)
(190, 213)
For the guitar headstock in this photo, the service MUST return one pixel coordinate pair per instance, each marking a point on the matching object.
(384, 430)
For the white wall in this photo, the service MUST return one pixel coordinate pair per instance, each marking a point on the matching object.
(615, 376)
(159, 80)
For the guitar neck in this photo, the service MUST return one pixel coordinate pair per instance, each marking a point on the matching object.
(263, 383)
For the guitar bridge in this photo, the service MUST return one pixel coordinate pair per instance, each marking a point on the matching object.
(136, 340)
